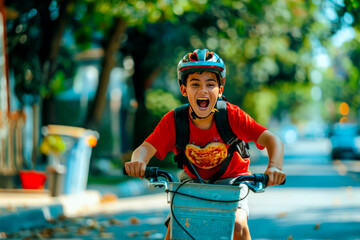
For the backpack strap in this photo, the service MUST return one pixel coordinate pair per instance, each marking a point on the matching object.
(222, 123)
(228, 137)
(182, 131)
(225, 131)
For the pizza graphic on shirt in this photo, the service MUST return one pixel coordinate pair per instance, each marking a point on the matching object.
(208, 157)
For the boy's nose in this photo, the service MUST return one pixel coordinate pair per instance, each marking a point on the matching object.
(203, 89)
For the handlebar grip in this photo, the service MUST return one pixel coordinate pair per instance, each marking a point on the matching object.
(149, 172)
(264, 178)
(261, 177)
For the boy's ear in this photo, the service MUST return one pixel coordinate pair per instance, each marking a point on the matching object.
(183, 90)
(221, 89)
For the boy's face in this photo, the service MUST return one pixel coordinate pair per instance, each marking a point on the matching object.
(202, 91)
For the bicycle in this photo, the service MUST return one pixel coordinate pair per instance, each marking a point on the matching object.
(210, 214)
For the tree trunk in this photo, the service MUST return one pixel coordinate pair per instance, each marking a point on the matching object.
(52, 44)
(95, 112)
(142, 127)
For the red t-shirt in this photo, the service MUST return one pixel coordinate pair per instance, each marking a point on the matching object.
(163, 139)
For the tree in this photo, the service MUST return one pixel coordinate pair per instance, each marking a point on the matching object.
(34, 38)
(266, 46)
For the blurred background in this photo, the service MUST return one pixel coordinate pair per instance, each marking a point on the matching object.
(108, 70)
(110, 66)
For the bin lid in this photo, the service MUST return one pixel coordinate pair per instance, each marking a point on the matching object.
(70, 131)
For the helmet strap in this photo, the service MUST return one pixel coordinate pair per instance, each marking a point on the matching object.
(194, 116)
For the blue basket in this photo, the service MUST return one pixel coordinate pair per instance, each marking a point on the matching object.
(201, 218)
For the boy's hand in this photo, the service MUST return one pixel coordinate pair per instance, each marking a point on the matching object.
(135, 169)
(276, 176)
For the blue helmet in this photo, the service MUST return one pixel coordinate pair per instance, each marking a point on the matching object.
(201, 60)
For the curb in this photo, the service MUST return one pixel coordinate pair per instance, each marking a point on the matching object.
(20, 211)
(29, 218)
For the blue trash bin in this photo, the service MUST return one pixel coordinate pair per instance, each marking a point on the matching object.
(76, 159)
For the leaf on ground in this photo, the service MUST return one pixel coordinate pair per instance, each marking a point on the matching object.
(134, 220)
(81, 231)
(148, 233)
(283, 214)
(115, 221)
(106, 235)
(133, 234)
(92, 223)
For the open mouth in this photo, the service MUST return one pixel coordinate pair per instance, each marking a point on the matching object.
(202, 103)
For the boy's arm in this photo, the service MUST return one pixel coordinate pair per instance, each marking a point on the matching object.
(275, 149)
(139, 159)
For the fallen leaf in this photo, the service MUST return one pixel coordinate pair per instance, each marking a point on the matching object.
(62, 217)
(11, 208)
(283, 214)
(133, 234)
(115, 221)
(92, 223)
(106, 235)
(134, 220)
(47, 233)
(148, 233)
(81, 231)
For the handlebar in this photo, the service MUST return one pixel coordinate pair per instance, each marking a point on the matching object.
(256, 182)
(152, 174)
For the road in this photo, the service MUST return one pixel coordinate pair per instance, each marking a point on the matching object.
(321, 200)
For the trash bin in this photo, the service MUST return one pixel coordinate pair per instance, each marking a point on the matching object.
(76, 158)
(56, 175)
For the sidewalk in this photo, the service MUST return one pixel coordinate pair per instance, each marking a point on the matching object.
(295, 212)
(24, 209)
(21, 209)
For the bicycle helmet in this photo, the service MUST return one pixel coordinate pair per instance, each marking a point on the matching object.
(201, 60)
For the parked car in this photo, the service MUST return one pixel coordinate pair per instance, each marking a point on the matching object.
(345, 141)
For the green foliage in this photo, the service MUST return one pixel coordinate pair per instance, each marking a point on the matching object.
(56, 85)
(159, 102)
(279, 100)
(268, 48)
(260, 104)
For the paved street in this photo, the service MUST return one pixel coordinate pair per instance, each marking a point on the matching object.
(319, 201)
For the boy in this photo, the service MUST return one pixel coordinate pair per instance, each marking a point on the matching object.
(201, 77)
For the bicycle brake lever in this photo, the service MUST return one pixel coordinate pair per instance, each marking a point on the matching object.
(256, 188)
(158, 183)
